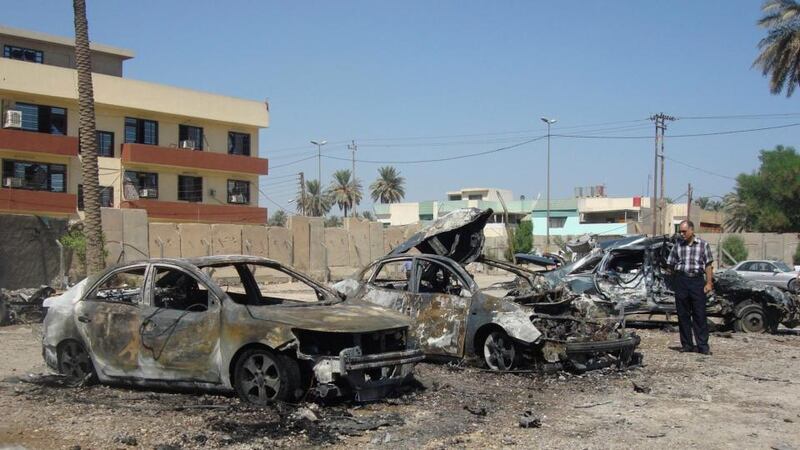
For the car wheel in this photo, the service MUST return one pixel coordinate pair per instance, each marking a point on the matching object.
(74, 362)
(750, 318)
(499, 351)
(261, 377)
(793, 288)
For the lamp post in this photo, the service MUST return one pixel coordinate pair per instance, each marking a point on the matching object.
(548, 122)
(319, 145)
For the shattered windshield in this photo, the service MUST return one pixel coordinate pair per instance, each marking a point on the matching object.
(256, 284)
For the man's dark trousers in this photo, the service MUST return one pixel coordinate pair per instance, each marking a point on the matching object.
(690, 302)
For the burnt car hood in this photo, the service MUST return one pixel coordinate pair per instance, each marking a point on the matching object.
(457, 235)
(353, 317)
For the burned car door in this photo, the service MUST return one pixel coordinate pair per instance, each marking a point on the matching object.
(440, 306)
(108, 319)
(180, 326)
(389, 285)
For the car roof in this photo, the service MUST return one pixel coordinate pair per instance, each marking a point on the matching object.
(201, 261)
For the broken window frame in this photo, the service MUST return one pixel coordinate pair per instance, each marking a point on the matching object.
(92, 296)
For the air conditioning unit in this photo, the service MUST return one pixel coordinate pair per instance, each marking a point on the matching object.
(237, 198)
(188, 144)
(148, 193)
(12, 182)
(13, 119)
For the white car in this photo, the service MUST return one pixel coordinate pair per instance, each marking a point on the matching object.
(773, 273)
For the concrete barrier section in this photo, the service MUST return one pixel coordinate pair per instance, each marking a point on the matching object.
(226, 239)
(165, 240)
(255, 240)
(280, 244)
(195, 239)
(299, 228)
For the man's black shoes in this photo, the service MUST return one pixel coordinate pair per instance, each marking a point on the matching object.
(688, 349)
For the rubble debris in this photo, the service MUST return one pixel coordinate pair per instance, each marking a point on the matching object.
(126, 439)
(23, 305)
(592, 405)
(529, 420)
(782, 446)
(476, 410)
(656, 435)
(641, 388)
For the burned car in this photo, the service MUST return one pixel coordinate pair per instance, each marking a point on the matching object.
(506, 324)
(232, 323)
(632, 272)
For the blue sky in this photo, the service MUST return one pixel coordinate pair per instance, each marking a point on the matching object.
(417, 80)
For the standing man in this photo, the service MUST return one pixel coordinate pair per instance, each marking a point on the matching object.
(690, 259)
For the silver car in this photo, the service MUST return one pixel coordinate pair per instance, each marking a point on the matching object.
(773, 273)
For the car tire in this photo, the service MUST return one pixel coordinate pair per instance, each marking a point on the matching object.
(499, 352)
(750, 318)
(793, 287)
(262, 377)
(75, 363)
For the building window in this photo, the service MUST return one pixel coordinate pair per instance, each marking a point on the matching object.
(145, 183)
(426, 217)
(454, 197)
(238, 143)
(190, 188)
(558, 222)
(141, 131)
(106, 197)
(23, 54)
(105, 144)
(239, 192)
(44, 119)
(34, 176)
(475, 196)
(192, 136)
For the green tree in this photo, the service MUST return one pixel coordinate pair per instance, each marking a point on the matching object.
(770, 196)
(739, 218)
(734, 245)
(332, 221)
(344, 191)
(780, 49)
(278, 219)
(95, 261)
(317, 203)
(366, 215)
(388, 187)
(523, 237)
(796, 258)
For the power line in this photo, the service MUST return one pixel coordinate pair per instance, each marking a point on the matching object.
(700, 169)
(740, 116)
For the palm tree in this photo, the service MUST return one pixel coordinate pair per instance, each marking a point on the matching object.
(780, 49)
(93, 227)
(702, 202)
(317, 202)
(388, 187)
(739, 217)
(346, 193)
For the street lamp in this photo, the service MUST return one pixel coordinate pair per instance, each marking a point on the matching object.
(548, 122)
(319, 145)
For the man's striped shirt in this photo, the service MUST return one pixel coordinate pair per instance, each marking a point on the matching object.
(690, 258)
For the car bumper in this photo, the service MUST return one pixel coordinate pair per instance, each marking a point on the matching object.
(368, 377)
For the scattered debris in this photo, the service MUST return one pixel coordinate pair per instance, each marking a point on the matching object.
(126, 439)
(23, 305)
(656, 435)
(529, 420)
(641, 388)
(782, 446)
(476, 410)
(592, 405)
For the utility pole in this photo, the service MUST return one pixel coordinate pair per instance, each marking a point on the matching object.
(303, 192)
(689, 203)
(548, 122)
(658, 205)
(319, 145)
(353, 147)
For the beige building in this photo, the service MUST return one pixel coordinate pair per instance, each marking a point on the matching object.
(180, 154)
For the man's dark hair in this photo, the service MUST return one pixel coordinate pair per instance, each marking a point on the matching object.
(689, 223)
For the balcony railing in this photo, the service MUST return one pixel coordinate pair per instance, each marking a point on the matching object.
(170, 156)
(37, 202)
(31, 141)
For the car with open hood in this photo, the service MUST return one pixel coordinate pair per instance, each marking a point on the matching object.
(233, 323)
(503, 324)
(633, 273)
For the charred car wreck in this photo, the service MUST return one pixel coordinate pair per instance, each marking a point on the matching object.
(632, 272)
(239, 323)
(504, 325)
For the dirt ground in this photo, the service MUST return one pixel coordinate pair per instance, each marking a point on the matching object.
(747, 395)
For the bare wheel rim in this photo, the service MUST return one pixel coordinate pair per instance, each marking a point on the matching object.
(498, 351)
(752, 320)
(75, 361)
(260, 379)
